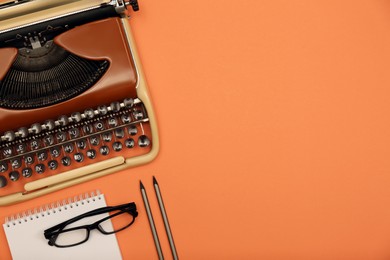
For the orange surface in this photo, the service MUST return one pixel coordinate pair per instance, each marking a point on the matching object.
(275, 130)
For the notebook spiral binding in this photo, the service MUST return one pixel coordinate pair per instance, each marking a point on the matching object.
(52, 208)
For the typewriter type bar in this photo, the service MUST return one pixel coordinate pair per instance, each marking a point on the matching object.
(74, 103)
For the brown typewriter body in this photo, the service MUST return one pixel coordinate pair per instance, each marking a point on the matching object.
(74, 103)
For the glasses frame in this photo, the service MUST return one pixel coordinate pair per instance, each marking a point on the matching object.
(52, 233)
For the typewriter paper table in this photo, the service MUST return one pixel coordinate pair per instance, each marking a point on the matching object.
(275, 131)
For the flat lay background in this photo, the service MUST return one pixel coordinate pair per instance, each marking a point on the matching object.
(275, 131)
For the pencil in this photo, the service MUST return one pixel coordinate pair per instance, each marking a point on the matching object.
(165, 218)
(151, 222)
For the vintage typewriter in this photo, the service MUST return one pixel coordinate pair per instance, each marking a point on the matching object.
(74, 103)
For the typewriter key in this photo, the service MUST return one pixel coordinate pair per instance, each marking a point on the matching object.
(53, 164)
(102, 110)
(76, 117)
(16, 163)
(27, 172)
(23, 132)
(128, 102)
(42, 156)
(89, 113)
(82, 144)
(21, 148)
(55, 152)
(115, 106)
(119, 133)
(132, 130)
(88, 129)
(7, 152)
(29, 159)
(129, 143)
(3, 166)
(14, 175)
(143, 141)
(40, 168)
(68, 148)
(94, 140)
(126, 119)
(99, 126)
(112, 122)
(3, 181)
(36, 128)
(66, 161)
(9, 136)
(34, 145)
(104, 150)
(63, 120)
(117, 146)
(48, 140)
(50, 124)
(107, 137)
(78, 157)
(61, 137)
(91, 154)
(74, 133)
(138, 115)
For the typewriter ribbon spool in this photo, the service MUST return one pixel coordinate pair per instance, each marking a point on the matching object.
(74, 103)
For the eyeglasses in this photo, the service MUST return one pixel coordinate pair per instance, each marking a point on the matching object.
(67, 235)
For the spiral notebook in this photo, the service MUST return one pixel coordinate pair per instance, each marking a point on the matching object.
(25, 237)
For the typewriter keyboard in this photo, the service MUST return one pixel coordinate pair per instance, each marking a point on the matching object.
(72, 141)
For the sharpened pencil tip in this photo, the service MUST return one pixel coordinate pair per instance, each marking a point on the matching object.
(141, 185)
(154, 181)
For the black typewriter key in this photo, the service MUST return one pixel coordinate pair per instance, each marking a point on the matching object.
(23, 132)
(27, 172)
(119, 133)
(94, 140)
(102, 110)
(132, 130)
(89, 113)
(16, 163)
(99, 126)
(9, 136)
(29, 159)
(48, 140)
(143, 141)
(40, 168)
(68, 148)
(50, 125)
(53, 165)
(34, 145)
(112, 122)
(88, 129)
(61, 137)
(91, 154)
(74, 133)
(115, 106)
(125, 119)
(21, 148)
(129, 143)
(14, 175)
(3, 166)
(128, 102)
(55, 152)
(42, 156)
(78, 157)
(107, 137)
(104, 150)
(82, 144)
(138, 115)
(3, 181)
(76, 117)
(63, 120)
(66, 161)
(36, 128)
(117, 146)
(7, 152)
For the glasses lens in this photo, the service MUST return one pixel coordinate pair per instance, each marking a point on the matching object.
(72, 237)
(116, 223)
